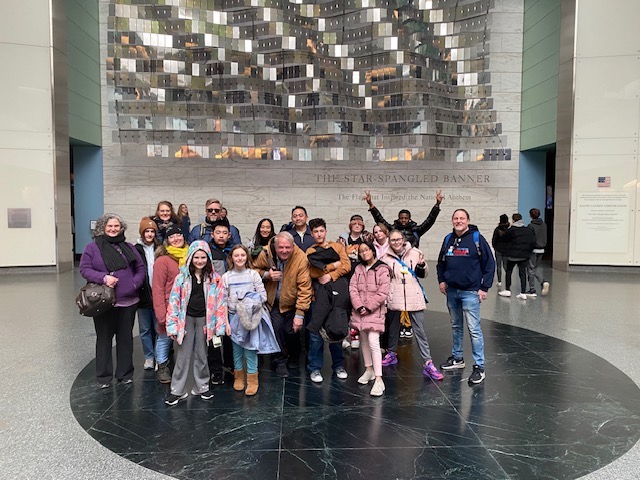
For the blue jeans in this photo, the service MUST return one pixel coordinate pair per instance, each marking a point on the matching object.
(240, 353)
(316, 353)
(465, 305)
(146, 327)
(163, 347)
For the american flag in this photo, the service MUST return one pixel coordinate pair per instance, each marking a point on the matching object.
(604, 181)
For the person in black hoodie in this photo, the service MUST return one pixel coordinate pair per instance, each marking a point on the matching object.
(411, 230)
(520, 242)
(533, 269)
(499, 246)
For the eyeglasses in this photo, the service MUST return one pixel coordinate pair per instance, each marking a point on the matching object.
(396, 240)
(213, 210)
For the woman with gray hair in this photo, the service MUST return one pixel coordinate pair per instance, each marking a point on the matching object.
(111, 261)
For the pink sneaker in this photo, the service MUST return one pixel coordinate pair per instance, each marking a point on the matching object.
(390, 359)
(431, 371)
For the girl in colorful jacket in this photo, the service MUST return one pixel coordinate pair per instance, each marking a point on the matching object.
(368, 289)
(197, 309)
(406, 294)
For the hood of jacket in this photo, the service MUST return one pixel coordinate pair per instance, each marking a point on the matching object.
(193, 248)
(519, 223)
(537, 221)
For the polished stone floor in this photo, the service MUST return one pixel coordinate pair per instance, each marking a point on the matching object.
(555, 403)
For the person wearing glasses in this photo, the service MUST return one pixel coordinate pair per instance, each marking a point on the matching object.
(204, 231)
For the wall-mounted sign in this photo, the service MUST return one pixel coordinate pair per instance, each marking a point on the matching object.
(19, 217)
(603, 222)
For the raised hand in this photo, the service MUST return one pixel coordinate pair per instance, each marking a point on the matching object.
(439, 197)
(367, 197)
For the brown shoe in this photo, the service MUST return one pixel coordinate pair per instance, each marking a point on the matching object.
(238, 380)
(163, 374)
(252, 384)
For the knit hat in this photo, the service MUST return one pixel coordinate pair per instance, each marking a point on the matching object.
(504, 218)
(172, 230)
(147, 223)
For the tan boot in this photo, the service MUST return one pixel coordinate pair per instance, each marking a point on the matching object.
(252, 384)
(238, 380)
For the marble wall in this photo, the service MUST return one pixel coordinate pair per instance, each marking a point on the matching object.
(251, 189)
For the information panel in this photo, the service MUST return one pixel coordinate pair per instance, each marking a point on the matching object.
(603, 222)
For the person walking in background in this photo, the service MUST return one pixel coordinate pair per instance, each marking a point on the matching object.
(499, 245)
(369, 289)
(533, 268)
(146, 247)
(111, 261)
(251, 329)
(519, 243)
(170, 256)
(197, 309)
(465, 275)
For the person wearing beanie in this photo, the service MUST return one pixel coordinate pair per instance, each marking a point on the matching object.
(499, 246)
(147, 322)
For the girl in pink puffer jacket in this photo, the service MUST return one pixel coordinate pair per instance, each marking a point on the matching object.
(368, 289)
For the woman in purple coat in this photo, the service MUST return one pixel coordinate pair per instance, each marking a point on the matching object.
(111, 261)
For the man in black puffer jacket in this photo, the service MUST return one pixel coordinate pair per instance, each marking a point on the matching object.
(520, 242)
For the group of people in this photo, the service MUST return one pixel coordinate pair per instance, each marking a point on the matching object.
(517, 244)
(201, 293)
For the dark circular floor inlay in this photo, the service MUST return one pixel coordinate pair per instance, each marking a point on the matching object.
(547, 409)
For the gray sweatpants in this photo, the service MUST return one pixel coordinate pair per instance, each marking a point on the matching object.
(417, 322)
(194, 342)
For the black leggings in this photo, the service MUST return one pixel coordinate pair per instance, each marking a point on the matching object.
(522, 273)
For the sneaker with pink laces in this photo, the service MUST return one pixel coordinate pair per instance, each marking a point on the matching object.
(431, 371)
(390, 359)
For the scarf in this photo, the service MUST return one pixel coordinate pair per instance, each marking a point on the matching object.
(114, 251)
(178, 254)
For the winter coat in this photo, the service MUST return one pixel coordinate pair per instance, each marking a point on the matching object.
(462, 266)
(302, 243)
(295, 291)
(216, 301)
(130, 279)
(330, 309)
(540, 230)
(165, 271)
(370, 289)
(519, 240)
(335, 273)
(412, 231)
(497, 241)
(146, 300)
(405, 292)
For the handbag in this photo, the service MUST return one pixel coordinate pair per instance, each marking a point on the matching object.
(95, 299)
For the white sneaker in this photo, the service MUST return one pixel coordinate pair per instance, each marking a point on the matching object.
(504, 293)
(316, 376)
(378, 388)
(545, 288)
(366, 377)
(522, 296)
(149, 364)
(341, 373)
(346, 343)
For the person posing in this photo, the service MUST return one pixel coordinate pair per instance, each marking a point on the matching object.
(165, 217)
(197, 308)
(299, 229)
(184, 220)
(204, 231)
(251, 336)
(406, 294)
(146, 247)
(220, 356)
(381, 239)
(170, 256)
(520, 242)
(264, 233)
(368, 289)
(465, 274)
(499, 246)
(328, 268)
(109, 260)
(411, 230)
(285, 271)
(533, 269)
